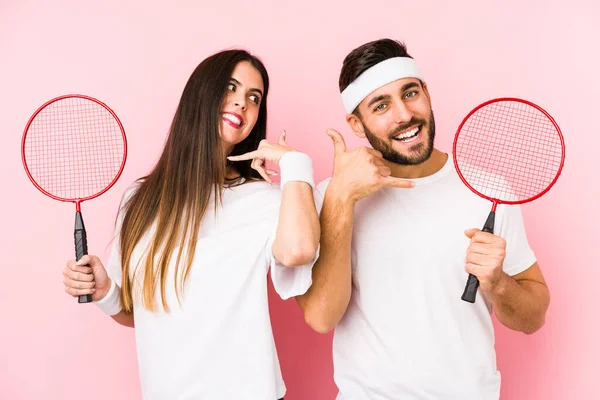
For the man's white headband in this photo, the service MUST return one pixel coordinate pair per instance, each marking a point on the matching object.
(377, 76)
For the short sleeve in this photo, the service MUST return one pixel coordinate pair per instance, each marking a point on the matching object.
(113, 267)
(519, 255)
(289, 281)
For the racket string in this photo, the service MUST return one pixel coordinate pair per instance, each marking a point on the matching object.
(74, 148)
(509, 150)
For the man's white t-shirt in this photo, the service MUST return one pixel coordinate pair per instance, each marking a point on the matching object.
(407, 334)
(218, 344)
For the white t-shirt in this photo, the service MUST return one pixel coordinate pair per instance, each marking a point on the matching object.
(219, 343)
(407, 334)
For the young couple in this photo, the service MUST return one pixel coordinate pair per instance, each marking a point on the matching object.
(380, 251)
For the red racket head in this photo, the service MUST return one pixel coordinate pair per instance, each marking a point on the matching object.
(509, 151)
(74, 148)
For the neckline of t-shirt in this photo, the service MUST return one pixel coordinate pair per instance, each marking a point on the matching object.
(442, 172)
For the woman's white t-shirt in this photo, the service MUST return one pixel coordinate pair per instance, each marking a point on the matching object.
(218, 343)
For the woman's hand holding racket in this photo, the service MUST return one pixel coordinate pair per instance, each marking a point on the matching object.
(74, 149)
(86, 276)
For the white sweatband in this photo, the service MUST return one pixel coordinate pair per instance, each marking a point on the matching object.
(296, 166)
(111, 303)
(377, 76)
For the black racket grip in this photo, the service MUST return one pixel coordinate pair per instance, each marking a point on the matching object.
(81, 248)
(470, 293)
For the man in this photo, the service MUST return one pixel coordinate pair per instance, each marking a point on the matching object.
(399, 237)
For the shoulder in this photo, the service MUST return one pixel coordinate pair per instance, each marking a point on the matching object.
(128, 193)
(322, 186)
(132, 189)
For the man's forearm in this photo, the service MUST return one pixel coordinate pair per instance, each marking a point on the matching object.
(520, 305)
(326, 301)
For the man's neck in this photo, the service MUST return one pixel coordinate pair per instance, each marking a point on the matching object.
(433, 164)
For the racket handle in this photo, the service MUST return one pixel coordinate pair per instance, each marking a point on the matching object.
(489, 223)
(81, 248)
(470, 293)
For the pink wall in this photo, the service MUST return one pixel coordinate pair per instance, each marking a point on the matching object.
(137, 55)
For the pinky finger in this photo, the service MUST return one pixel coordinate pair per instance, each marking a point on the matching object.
(78, 292)
(257, 164)
(264, 174)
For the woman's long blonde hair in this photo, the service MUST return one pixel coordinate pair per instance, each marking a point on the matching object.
(190, 169)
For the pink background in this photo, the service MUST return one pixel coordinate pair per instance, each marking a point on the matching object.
(137, 55)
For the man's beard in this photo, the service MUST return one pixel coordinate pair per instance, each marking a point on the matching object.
(417, 153)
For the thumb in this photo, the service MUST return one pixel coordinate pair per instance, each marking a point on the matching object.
(85, 260)
(471, 232)
(97, 266)
(91, 261)
(338, 141)
(282, 139)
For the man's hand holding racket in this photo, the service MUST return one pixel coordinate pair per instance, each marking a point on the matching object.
(484, 259)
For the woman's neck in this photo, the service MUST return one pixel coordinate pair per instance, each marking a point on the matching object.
(231, 173)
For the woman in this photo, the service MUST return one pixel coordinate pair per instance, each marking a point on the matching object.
(196, 237)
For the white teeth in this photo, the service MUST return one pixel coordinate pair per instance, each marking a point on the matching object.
(233, 118)
(407, 134)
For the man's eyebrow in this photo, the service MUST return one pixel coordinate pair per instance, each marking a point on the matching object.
(378, 98)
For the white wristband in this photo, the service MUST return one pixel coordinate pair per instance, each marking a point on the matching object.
(296, 166)
(111, 303)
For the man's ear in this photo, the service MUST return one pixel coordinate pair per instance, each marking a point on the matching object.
(356, 125)
(426, 91)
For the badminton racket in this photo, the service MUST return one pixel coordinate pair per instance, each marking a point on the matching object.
(508, 151)
(74, 149)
